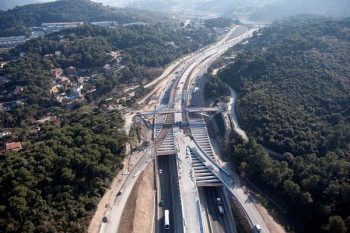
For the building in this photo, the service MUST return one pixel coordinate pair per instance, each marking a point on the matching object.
(54, 90)
(5, 133)
(105, 23)
(18, 90)
(54, 27)
(11, 41)
(65, 81)
(71, 70)
(36, 32)
(107, 69)
(2, 64)
(57, 72)
(14, 146)
(81, 80)
(8, 105)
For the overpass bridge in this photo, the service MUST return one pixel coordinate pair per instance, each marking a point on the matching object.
(167, 111)
(204, 176)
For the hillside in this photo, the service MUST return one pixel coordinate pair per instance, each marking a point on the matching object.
(294, 93)
(17, 20)
(62, 97)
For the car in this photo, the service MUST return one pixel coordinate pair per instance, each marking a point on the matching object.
(120, 192)
(160, 171)
(105, 219)
(161, 203)
(221, 209)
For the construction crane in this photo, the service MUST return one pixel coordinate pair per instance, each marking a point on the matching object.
(184, 95)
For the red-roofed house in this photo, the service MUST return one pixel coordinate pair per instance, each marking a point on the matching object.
(15, 146)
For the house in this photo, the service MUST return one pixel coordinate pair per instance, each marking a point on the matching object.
(5, 133)
(111, 108)
(14, 146)
(8, 105)
(81, 80)
(2, 64)
(65, 81)
(54, 90)
(115, 54)
(57, 72)
(71, 70)
(18, 90)
(107, 69)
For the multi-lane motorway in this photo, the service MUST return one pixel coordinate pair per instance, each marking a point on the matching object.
(182, 78)
(176, 94)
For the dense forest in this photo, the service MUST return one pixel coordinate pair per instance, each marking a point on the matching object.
(294, 94)
(215, 90)
(55, 185)
(16, 21)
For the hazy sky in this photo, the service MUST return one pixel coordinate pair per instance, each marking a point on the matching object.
(273, 8)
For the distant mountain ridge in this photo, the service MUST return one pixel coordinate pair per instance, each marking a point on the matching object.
(9, 4)
(285, 8)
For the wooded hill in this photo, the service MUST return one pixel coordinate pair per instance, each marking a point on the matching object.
(16, 21)
(55, 185)
(294, 98)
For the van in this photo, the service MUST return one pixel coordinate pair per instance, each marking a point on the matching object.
(257, 228)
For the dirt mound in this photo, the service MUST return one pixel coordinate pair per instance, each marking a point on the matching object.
(140, 205)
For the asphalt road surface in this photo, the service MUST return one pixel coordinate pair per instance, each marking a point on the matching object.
(218, 222)
(169, 194)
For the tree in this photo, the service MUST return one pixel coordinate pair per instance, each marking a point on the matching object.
(291, 188)
(336, 225)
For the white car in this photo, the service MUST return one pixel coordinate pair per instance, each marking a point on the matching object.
(160, 171)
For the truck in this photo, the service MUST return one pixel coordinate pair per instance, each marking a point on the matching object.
(166, 220)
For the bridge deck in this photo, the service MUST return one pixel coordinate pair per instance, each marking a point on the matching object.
(165, 111)
(203, 175)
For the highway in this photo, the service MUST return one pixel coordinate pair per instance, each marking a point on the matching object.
(168, 181)
(195, 72)
(168, 194)
(178, 81)
(218, 222)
